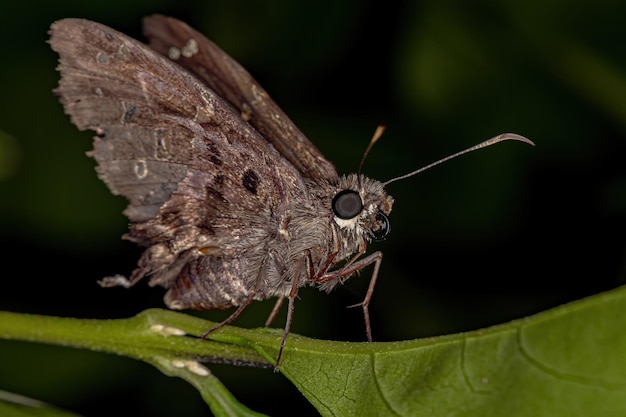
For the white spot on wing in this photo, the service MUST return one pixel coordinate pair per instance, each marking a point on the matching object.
(190, 49)
(173, 53)
(102, 58)
(141, 169)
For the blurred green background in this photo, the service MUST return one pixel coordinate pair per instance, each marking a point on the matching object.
(492, 236)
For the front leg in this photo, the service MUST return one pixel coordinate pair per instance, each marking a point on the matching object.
(350, 268)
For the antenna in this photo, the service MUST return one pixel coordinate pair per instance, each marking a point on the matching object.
(500, 138)
(377, 134)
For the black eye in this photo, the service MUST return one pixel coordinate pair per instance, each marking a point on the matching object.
(380, 228)
(347, 204)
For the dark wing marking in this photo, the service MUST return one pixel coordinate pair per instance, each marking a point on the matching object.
(224, 75)
(199, 179)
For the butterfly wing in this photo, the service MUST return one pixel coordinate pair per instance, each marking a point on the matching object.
(227, 78)
(199, 179)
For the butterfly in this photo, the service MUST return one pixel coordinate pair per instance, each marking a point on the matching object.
(229, 198)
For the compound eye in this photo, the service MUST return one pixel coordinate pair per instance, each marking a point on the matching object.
(381, 228)
(347, 204)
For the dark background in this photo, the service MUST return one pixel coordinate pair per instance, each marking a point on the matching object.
(484, 239)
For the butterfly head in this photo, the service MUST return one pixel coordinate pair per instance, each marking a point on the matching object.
(361, 206)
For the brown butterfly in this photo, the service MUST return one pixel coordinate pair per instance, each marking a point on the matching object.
(232, 202)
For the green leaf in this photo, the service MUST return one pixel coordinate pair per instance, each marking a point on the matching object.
(219, 399)
(154, 336)
(567, 361)
(14, 405)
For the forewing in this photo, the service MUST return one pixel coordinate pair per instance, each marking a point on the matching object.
(199, 179)
(221, 73)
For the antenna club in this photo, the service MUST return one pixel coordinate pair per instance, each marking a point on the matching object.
(509, 136)
(380, 129)
(377, 134)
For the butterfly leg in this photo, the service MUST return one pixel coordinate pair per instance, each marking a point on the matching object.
(290, 308)
(230, 318)
(275, 311)
(350, 268)
(376, 258)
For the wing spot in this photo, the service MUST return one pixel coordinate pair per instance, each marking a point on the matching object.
(161, 143)
(251, 181)
(206, 151)
(141, 169)
(102, 58)
(214, 155)
(173, 53)
(246, 112)
(208, 100)
(214, 195)
(123, 53)
(203, 115)
(130, 113)
(190, 49)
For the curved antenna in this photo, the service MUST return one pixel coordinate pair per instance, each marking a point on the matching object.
(377, 134)
(500, 138)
